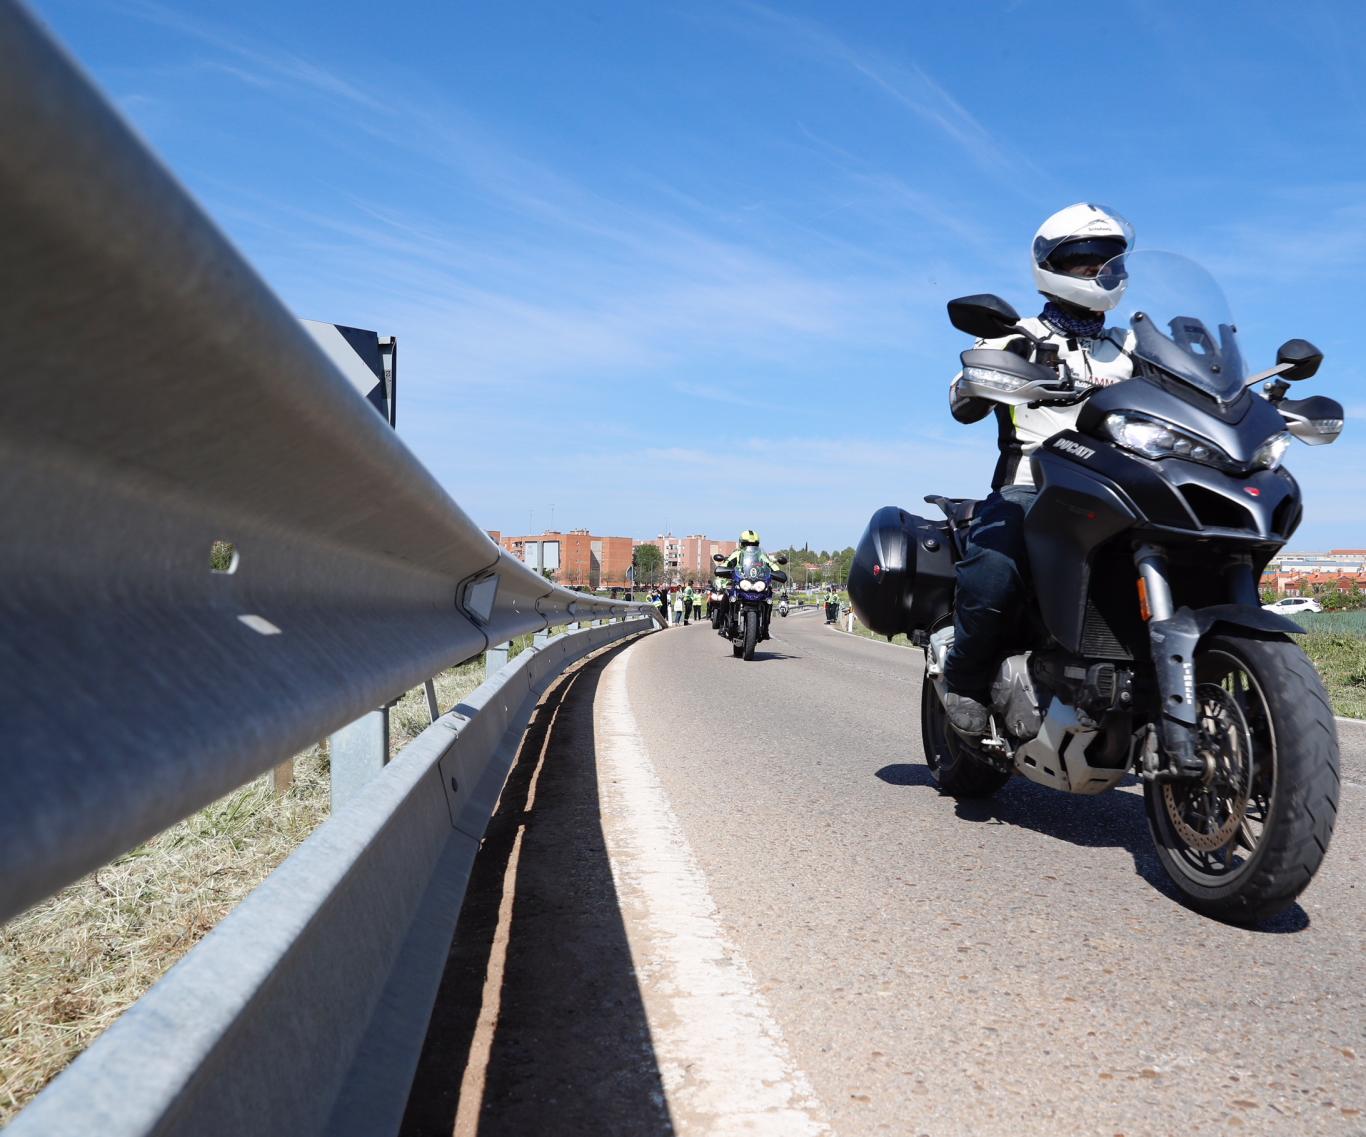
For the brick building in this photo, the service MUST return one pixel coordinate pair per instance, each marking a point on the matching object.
(688, 558)
(578, 558)
(1313, 583)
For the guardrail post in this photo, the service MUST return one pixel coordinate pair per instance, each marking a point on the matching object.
(433, 708)
(359, 752)
(495, 658)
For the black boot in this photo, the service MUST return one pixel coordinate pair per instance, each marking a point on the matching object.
(968, 716)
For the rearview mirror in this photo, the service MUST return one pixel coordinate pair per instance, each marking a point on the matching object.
(987, 317)
(1302, 356)
(719, 558)
(782, 560)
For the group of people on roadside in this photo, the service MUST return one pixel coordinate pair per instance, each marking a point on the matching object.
(681, 603)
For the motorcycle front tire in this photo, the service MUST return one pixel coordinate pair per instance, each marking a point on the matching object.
(1294, 749)
(751, 634)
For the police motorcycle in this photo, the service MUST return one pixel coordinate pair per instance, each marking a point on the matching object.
(1142, 648)
(748, 599)
(782, 604)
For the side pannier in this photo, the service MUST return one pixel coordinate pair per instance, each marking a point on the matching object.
(902, 578)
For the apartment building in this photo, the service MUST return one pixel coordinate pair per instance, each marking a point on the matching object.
(690, 557)
(577, 558)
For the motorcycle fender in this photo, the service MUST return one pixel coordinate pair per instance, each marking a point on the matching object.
(1244, 616)
(1174, 642)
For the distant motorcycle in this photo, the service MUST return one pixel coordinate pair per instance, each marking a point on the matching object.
(782, 606)
(745, 620)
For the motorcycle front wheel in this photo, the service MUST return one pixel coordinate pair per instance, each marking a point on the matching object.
(751, 633)
(1245, 841)
(957, 770)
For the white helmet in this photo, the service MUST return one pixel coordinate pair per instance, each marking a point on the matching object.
(1070, 248)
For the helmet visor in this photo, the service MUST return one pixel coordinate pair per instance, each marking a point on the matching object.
(1113, 275)
(1085, 256)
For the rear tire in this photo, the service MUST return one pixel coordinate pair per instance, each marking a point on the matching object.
(1269, 726)
(751, 633)
(957, 770)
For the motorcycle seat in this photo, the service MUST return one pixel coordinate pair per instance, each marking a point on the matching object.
(959, 510)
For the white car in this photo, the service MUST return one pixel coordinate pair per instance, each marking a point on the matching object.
(1294, 605)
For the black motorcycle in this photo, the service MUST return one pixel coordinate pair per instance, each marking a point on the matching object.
(1143, 648)
(749, 600)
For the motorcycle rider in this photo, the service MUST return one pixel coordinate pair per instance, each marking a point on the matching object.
(749, 539)
(1068, 251)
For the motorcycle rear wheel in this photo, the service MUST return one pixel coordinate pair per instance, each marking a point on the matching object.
(956, 769)
(1242, 845)
(751, 633)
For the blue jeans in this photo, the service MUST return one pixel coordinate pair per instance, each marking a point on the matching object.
(992, 578)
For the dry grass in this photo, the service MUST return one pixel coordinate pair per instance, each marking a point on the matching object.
(72, 964)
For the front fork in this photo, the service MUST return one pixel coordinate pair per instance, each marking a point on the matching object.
(1173, 637)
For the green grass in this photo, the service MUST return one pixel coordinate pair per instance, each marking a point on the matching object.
(1350, 623)
(1341, 660)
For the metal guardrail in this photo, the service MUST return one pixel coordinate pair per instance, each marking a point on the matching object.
(305, 1010)
(163, 399)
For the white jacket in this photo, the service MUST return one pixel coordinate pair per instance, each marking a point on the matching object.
(1095, 362)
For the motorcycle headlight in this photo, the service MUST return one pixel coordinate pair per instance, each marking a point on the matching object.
(1269, 454)
(760, 585)
(1154, 438)
(745, 586)
(995, 380)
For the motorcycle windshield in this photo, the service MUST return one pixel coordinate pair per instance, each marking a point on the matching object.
(1179, 320)
(752, 565)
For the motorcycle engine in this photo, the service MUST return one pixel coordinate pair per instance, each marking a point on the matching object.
(1015, 698)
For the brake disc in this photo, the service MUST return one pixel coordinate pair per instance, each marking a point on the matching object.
(1224, 741)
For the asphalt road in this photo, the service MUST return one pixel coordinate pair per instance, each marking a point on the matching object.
(773, 923)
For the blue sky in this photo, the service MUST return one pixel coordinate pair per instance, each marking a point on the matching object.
(684, 265)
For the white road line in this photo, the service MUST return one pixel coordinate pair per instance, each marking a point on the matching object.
(721, 1055)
